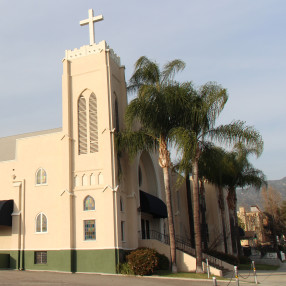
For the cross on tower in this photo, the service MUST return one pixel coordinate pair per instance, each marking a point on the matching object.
(91, 19)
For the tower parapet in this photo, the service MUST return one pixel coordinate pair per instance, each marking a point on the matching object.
(92, 49)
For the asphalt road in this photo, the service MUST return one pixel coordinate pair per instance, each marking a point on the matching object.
(14, 277)
(38, 278)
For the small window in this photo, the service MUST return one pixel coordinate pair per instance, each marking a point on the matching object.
(40, 257)
(140, 176)
(84, 180)
(76, 181)
(41, 177)
(89, 204)
(89, 230)
(122, 230)
(92, 179)
(41, 223)
(116, 114)
(121, 205)
(100, 179)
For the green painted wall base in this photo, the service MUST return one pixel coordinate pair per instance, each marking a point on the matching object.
(98, 261)
(4, 260)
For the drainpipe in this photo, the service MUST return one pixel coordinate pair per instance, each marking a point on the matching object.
(115, 218)
(21, 230)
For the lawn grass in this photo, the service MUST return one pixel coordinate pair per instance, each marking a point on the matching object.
(258, 267)
(193, 275)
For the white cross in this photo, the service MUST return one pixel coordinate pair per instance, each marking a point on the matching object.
(91, 19)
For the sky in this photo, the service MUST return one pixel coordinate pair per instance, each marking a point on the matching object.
(238, 44)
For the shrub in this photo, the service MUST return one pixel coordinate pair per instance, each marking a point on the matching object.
(163, 262)
(244, 259)
(124, 268)
(231, 259)
(143, 261)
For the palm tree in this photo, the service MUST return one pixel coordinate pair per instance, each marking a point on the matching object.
(199, 131)
(212, 168)
(239, 172)
(157, 109)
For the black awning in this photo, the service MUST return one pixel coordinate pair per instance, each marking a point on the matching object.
(152, 205)
(6, 209)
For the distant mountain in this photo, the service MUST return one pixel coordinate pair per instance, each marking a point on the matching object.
(250, 196)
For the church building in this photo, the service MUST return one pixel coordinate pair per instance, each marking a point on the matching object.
(66, 204)
(67, 201)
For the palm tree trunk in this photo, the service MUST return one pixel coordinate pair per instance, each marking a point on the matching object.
(231, 199)
(239, 249)
(170, 220)
(202, 201)
(221, 206)
(190, 210)
(164, 161)
(198, 239)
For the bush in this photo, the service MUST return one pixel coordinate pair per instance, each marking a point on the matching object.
(163, 262)
(124, 268)
(143, 261)
(231, 259)
(244, 260)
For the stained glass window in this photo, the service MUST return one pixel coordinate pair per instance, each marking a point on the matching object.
(41, 223)
(89, 204)
(89, 229)
(41, 177)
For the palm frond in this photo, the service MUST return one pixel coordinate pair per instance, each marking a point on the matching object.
(145, 72)
(170, 70)
(214, 97)
(236, 132)
(134, 141)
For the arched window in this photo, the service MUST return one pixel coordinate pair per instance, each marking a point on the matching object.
(84, 180)
(121, 205)
(93, 128)
(82, 129)
(41, 177)
(100, 179)
(41, 223)
(92, 179)
(89, 204)
(116, 114)
(76, 181)
(140, 176)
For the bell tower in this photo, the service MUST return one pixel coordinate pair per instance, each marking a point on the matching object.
(93, 105)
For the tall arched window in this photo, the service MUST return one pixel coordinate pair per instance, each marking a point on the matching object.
(89, 204)
(41, 177)
(41, 223)
(82, 129)
(93, 128)
(121, 205)
(116, 114)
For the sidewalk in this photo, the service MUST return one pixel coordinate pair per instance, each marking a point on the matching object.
(264, 277)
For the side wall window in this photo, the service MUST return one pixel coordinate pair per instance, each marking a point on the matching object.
(41, 223)
(116, 114)
(89, 230)
(89, 204)
(41, 177)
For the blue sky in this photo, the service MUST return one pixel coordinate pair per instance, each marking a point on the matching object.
(239, 44)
